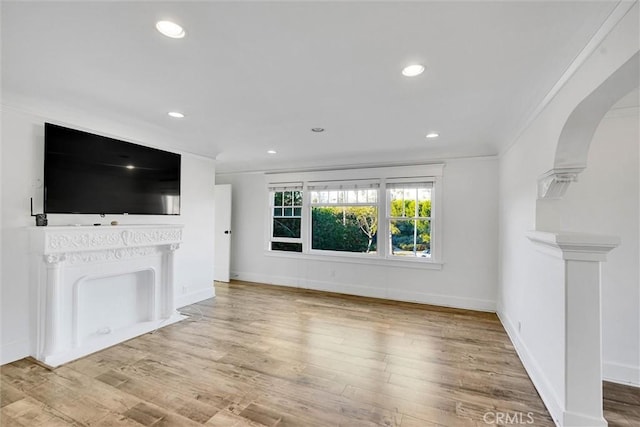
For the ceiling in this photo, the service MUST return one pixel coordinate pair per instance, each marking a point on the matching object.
(255, 76)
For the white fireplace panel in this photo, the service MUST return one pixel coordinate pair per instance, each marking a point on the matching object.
(105, 305)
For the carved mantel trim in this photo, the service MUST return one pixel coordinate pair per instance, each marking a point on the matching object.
(110, 254)
(78, 239)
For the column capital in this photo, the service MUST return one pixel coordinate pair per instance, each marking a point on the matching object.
(575, 246)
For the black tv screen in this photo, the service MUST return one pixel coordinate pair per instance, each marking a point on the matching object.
(91, 174)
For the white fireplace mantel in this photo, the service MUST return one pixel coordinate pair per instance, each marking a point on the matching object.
(95, 286)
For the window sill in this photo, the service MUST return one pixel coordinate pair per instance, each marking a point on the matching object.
(356, 259)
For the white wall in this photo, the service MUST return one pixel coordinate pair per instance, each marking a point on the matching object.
(22, 173)
(606, 200)
(468, 278)
(531, 294)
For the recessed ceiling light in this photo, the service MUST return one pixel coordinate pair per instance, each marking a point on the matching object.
(432, 135)
(271, 151)
(317, 129)
(175, 114)
(413, 70)
(170, 29)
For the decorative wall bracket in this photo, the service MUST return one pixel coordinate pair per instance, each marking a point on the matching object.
(554, 183)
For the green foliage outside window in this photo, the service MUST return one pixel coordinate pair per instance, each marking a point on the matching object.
(408, 231)
(355, 228)
(344, 228)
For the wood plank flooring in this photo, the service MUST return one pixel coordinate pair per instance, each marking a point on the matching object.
(621, 405)
(260, 355)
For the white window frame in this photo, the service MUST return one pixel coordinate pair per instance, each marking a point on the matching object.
(416, 182)
(283, 187)
(338, 186)
(414, 173)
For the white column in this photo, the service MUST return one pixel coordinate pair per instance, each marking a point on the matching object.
(52, 304)
(582, 255)
(168, 308)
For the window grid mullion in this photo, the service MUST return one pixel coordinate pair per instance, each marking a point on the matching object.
(282, 207)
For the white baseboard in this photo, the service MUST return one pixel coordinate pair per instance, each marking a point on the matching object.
(573, 419)
(370, 291)
(540, 381)
(14, 351)
(621, 373)
(443, 300)
(194, 297)
(555, 406)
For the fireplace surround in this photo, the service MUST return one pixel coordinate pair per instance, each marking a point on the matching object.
(95, 286)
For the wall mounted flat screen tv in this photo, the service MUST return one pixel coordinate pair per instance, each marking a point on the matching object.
(91, 174)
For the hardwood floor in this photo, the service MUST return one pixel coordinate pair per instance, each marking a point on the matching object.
(264, 356)
(621, 405)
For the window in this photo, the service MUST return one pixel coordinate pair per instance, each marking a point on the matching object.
(344, 216)
(369, 215)
(409, 219)
(286, 217)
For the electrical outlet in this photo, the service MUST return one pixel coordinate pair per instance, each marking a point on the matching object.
(184, 289)
(519, 326)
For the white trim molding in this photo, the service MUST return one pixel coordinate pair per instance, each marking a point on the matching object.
(621, 373)
(388, 293)
(536, 373)
(195, 297)
(575, 246)
(14, 350)
(619, 12)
